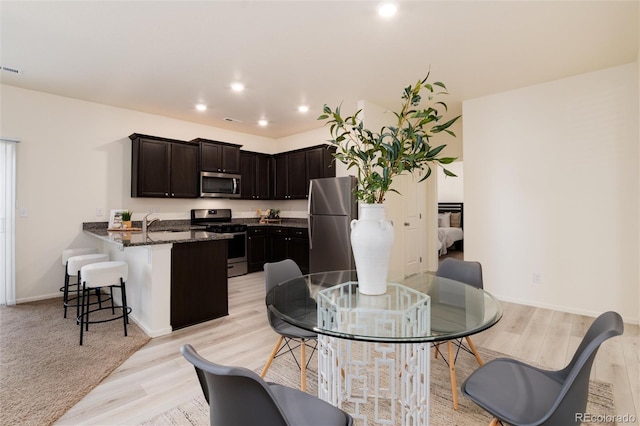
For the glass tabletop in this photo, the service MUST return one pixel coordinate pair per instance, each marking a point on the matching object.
(420, 308)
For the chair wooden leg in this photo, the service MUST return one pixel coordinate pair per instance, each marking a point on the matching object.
(435, 350)
(452, 374)
(303, 367)
(473, 349)
(271, 357)
(495, 422)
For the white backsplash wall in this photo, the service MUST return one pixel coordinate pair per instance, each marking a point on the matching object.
(288, 208)
(176, 209)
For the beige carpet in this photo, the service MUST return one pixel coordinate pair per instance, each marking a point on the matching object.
(284, 371)
(43, 369)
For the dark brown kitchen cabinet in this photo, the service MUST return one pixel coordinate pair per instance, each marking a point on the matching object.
(297, 175)
(294, 170)
(290, 176)
(279, 244)
(299, 248)
(218, 156)
(281, 177)
(255, 171)
(319, 162)
(198, 282)
(290, 243)
(258, 248)
(163, 168)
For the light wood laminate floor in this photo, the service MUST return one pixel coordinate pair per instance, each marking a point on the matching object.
(157, 378)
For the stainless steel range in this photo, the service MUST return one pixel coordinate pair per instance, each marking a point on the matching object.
(219, 221)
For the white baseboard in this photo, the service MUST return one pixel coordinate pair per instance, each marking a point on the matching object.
(561, 308)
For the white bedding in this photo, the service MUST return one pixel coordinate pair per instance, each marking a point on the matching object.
(447, 236)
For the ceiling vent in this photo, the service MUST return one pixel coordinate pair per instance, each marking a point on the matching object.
(232, 120)
(11, 70)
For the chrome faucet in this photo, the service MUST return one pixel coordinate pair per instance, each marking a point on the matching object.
(146, 223)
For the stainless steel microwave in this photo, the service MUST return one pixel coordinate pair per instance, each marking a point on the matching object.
(219, 185)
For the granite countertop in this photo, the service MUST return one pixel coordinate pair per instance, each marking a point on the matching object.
(286, 222)
(173, 231)
(138, 238)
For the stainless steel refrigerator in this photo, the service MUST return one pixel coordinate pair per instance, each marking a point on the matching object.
(332, 207)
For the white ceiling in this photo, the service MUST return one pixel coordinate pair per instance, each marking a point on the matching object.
(162, 57)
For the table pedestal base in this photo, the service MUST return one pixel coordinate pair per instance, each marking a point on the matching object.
(377, 383)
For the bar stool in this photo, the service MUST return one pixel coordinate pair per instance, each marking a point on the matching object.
(74, 264)
(66, 254)
(96, 276)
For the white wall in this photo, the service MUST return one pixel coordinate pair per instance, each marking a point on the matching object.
(552, 187)
(451, 189)
(74, 157)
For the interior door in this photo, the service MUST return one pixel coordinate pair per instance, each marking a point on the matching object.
(413, 199)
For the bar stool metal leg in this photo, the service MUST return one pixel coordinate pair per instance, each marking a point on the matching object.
(95, 277)
(65, 289)
(73, 266)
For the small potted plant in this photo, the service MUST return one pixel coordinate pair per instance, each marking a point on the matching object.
(126, 218)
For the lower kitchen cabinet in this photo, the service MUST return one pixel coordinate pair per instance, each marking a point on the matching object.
(198, 282)
(258, 245)
(276, 243)
(290, 243)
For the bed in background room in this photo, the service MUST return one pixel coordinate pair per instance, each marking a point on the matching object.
(450, 224)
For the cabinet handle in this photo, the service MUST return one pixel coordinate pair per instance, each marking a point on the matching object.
(166, 194)
(173, 195)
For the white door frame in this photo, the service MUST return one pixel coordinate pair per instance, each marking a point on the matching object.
(7, 220)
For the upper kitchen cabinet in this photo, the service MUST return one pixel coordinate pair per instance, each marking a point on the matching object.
(163, 168)
(290, 176)
(219, 157)
(294, 170)
(255, 169)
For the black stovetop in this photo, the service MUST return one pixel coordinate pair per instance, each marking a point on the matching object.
(215, 220)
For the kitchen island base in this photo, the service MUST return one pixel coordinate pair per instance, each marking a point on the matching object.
(176, 279)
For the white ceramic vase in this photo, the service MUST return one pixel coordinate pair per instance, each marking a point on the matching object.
(371, 241)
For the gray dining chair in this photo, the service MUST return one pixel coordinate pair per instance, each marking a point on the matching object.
(238, 396)
(470, 273)
(520, 394)
(291, 337)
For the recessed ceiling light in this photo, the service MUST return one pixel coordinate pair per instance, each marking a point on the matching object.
(201, 107)
(237, 87)
(387, 10)
(303, 108)
(263, 122)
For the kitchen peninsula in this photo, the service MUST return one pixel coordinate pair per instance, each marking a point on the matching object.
(177, 275)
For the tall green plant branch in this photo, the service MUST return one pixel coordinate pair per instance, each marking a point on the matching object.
(404, 147)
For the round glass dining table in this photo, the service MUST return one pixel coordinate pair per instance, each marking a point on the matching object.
(373, 351)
